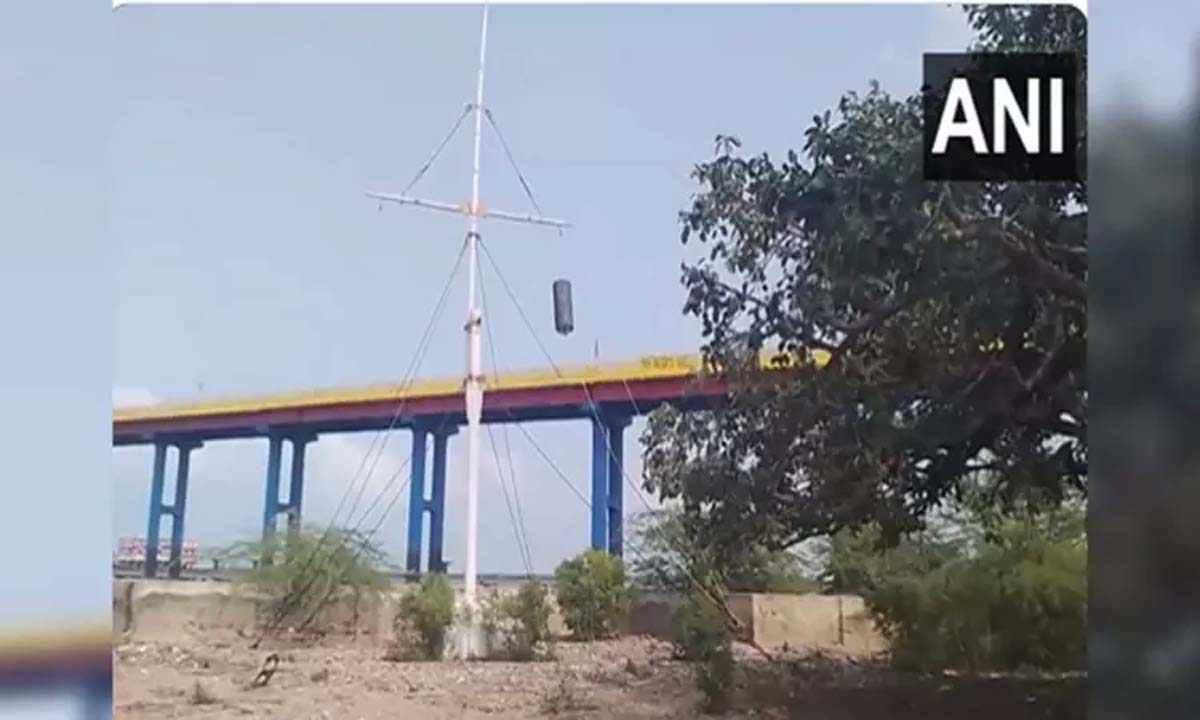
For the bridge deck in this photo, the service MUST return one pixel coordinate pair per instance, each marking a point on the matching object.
(567, 392)
(647, 368)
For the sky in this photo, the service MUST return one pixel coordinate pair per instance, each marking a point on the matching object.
(248, 260)
(184, 217)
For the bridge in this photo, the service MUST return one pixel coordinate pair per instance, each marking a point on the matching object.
(607, 396)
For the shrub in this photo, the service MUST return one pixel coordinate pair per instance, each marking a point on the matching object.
(530, 608)
(592, 594)
(406, 644)
(703, 636)
(1006, 592)
(425, 614)
(516, 624)
(308, 569)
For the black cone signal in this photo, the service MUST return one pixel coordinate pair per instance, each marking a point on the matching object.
(564, 320)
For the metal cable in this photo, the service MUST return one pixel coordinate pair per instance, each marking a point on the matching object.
(438, 151)
(367, 539)
(420, 353)
(513, 162)
(578, 493)
(379, 440)
(517, 519)
(734, 622)
(557, 371)
(411, 374)
(522, 546)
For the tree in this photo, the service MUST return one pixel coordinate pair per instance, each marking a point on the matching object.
(308, 570)
(926, 332)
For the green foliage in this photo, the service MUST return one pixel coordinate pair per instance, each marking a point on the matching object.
(517, 624)
(308, 569)
(926, 331)
(425, 615)
(1005, 28)
(592, 594)
(704, 637)
(1003, 591)
(779, 572)
(858, 562)
(530, 607)
(702, 626)
(667, 557)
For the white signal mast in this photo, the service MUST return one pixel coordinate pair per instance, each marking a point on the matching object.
(473, 386)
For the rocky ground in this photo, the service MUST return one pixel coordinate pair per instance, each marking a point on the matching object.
(631, 678)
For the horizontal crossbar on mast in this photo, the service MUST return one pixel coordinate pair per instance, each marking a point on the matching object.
(465, 209)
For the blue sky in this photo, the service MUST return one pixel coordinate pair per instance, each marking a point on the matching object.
(185, 217)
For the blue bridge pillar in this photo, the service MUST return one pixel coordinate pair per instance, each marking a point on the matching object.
(296, 486)
(616, 484)
(271, 500)
(435, 504)
(273, 506)
(608, 454)
(150, 566)
(437, 501)
(599, 485)
(175, 509)
(416, 497)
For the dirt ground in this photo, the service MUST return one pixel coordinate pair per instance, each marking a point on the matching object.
(632, 678)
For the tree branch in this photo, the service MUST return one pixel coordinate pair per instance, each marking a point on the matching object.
(1025, 260)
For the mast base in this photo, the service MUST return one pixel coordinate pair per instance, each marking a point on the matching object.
(466, 639)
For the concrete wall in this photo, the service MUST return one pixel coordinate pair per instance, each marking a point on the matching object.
(166, 609)
(836, 624)
(653, 614)
(162, 610)
(153, 610)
